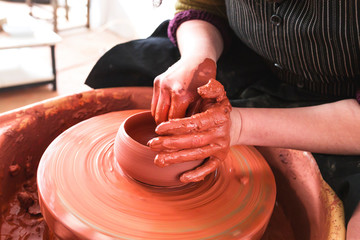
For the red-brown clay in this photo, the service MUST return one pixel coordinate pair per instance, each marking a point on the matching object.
(315, 201)
(84, 193)
(137, 159)
(177, 99)
(26, 132)
(205, 135)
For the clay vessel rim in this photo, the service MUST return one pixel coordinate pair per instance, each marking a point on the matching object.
(128, 140)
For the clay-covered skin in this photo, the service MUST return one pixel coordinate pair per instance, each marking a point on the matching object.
(205, 135)
(84, 193)
(174, 98)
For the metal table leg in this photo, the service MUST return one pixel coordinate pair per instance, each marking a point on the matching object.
(52, 47)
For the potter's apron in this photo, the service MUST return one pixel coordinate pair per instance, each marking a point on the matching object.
(248, 81)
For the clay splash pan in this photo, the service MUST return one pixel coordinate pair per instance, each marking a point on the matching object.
(84, 194)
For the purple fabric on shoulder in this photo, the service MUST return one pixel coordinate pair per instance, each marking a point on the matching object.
(358, 95)
(220, 23)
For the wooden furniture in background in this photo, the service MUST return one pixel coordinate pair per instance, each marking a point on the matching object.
(55, 7)
(31, 73)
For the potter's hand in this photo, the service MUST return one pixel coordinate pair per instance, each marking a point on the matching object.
(203, 135)
(175, 91)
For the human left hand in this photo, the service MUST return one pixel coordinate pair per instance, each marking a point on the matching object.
(205, 135)
(175, 91)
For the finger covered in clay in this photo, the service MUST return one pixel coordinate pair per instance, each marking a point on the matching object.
(213, 89)
(204, 135)
(186, 141)
(199, 173)
(165, 158)
(213, 117)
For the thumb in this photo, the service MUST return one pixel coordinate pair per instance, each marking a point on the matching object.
(213, 89)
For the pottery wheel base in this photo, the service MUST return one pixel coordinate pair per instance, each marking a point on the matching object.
(84, 194)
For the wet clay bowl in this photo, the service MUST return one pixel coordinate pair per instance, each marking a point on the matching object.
(137, 159)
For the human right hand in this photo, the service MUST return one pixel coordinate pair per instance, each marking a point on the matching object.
(175, 91)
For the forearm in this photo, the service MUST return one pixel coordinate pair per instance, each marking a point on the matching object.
(329, 128)
(199, 39)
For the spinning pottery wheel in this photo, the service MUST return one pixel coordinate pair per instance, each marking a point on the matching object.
(84, 193)
(306, 207)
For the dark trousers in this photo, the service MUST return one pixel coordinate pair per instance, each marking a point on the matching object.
(248, 82)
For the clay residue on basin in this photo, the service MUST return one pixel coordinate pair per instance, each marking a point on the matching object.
(21, 217)
(25, 134)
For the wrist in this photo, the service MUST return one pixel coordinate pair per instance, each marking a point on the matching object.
(195, 59)
(197, 38)
(198, 56)
(236, 127)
